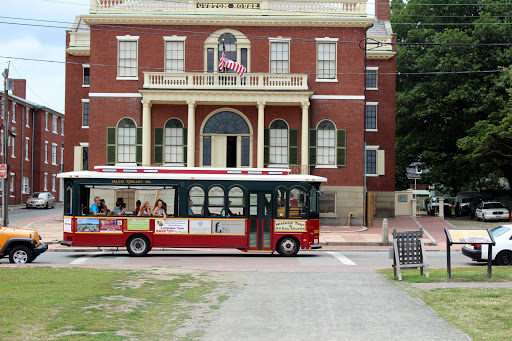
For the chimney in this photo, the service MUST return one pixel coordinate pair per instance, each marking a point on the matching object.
(20, 88)
(382, 10)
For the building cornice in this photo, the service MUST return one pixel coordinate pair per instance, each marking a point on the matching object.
(324, 21)
(380, 54)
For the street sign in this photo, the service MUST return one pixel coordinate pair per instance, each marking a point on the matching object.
(3, 171)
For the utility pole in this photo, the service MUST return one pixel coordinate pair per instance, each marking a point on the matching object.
(5, 196)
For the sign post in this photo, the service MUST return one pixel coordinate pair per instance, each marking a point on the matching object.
(469, 236)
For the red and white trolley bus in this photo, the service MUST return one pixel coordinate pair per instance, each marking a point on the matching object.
(253, 210)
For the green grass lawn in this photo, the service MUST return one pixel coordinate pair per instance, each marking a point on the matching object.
(482, 313)
(103, 304)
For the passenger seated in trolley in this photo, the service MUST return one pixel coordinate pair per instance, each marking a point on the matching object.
(145, 210)
(95, 207)
(159, 209)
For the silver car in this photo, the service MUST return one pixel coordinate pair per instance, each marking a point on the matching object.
(40, 200)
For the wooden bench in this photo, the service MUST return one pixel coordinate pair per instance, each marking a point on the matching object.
(408, 251)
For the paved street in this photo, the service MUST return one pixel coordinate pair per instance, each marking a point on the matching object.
(19, 214)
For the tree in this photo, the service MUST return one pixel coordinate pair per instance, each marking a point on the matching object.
(436, 107)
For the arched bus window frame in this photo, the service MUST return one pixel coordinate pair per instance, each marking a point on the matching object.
(306, 202)
(68, 198)
(189, 188)
(276, 192)
(245, 200)
(207, 211)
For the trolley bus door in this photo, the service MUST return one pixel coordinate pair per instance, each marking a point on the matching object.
(260, 220)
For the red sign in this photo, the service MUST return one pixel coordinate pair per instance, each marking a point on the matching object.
(3, 171)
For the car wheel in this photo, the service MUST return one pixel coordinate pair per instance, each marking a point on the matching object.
(138, 245)
(504, 258)
(288, 246)
(20, 255)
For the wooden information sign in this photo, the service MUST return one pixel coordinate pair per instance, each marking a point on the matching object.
(469, 236)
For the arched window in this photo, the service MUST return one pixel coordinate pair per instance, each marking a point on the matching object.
(236, 203)
(326, 143)
(281, 201)
(226, 122)
(278, 154)
(174, 141)
(126, 133)
(196, 201)
(216, 201)
(229, 41)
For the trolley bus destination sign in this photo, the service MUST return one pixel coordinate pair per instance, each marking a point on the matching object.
(290, 225)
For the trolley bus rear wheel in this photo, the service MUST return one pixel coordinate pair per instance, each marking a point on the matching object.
(288, 246)
(138, 245)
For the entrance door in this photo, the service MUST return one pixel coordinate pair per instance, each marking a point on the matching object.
(231, 151)
(225, 151)
(260, 221)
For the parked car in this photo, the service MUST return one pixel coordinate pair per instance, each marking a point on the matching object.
(433, 206)
(501, 252)
(492, 210)
(465, 205)
(21, 245)
(41, 199)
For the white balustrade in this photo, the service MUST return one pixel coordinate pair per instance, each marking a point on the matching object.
(79, 39)
(226, 7)
(250, 81)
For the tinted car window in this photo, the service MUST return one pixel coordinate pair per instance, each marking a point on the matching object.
(498, 231)
(494, 205)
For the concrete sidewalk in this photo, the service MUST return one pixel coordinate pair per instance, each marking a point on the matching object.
(331, 237)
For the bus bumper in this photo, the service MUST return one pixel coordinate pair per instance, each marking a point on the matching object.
(315, 246)
(66, 243)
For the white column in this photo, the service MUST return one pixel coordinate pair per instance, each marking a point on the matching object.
(146, 132)
(441, 208)
(261, 131)
(191, 137)
(304, 146)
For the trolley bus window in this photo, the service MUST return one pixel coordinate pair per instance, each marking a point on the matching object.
(68, 196)
(196, 201)
(313, 199)
(236, 202)
(297, 200)
(216, 201)
(281, 202)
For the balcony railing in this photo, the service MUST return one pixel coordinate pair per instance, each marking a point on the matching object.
(79, 39)
(227, 7)
(199, 80)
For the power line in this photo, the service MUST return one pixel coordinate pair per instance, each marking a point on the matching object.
(129, 29)
(310, 73)
(28, 86)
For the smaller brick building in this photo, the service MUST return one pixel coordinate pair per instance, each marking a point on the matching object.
(35, 154)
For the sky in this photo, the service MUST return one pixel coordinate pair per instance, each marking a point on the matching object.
(45, 81)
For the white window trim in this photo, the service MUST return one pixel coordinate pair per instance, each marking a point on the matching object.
(23, 191)
(46, 121)
(54, 145)
(127, 38)
(171, 39)
(27, 117)
(61, 156)
(212, 42)
(83, 67)
(376, 104)
(13, 119)
(374, 68)
(11, 182)
(84, 144)
(13, 149)
(335, 144)
(85, 100)
(46, 152)
(54, 178)
(27, 143)
(55, 124)
(326, 40)
(326, 166)
(62, 126)
(45, 182)
(278, 39)
(380, 161)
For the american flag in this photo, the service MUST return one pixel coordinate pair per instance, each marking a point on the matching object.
(229, 64)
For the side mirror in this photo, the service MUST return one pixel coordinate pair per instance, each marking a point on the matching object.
(321, 193)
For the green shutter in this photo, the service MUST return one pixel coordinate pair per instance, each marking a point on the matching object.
(266, 146)
(341, 148)
(159, 146)
(185, 138)
(111, 145)
(293, 148)
(138, 146)
(312, 147)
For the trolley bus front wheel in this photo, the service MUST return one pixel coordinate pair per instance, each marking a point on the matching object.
(138, 245)
(288, 246)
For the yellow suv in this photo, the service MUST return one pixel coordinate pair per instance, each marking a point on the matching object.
(22, 245)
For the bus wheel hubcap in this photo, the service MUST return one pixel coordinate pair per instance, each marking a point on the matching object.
(138, 245)
(20, 257)
(288, 245)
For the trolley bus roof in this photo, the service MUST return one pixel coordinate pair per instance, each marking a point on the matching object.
(192, 173)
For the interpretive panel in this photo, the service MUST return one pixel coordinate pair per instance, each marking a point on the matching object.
(468, 236)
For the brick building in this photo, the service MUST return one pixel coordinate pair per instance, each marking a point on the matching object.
(143, 88)
(35, 154)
